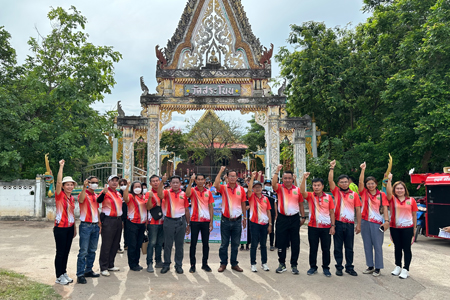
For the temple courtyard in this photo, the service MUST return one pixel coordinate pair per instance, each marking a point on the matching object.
(29, 248)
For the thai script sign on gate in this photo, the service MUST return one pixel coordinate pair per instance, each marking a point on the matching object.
(212, 90)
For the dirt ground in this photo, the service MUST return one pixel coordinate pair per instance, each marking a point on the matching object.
(29, 248)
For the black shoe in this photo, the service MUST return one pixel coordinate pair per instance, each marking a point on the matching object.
(192, 269)
(339, 273)
(206, 268)
(165, 269)
(140, 268)
(179, 270)
(351, 272)
(91, 274)
(81, 280)
(136, 269)
(242, 247)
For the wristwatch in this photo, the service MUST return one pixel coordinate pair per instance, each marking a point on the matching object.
(304, 218)
(332, 225)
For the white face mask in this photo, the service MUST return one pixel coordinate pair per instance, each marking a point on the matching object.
(145, 191)
(93, 186)
(123, 187)
(137, 191)
(245, 189)
(268, 188)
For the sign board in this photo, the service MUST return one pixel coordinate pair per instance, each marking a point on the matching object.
(205, 90)
(214, 235)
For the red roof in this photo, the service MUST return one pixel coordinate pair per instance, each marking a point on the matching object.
(232, 146)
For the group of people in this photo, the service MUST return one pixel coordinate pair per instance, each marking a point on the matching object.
(163, 212)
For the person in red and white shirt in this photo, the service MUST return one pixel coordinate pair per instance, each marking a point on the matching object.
(175, 206)
(261, 222)
(291, 215)
(374, 217)
(90, 227)
(346, 203)
(201, 218)
(154, 227)
(111, 218)
(403, 224)
(321, 224)
(136, 222)
(233, 214)
(65, 229)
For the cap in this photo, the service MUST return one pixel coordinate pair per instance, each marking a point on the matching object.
(268, 181)
(68, 179)
(112, 177)
(256, 182)
(166, 184)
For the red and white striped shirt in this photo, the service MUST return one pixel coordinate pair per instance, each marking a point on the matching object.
(112, 203)
(65, 207)
(155, 201)
(137, 209)
(319, 210)
(345, 203)
(174, 203)
(200, 205)
(259, 209)
(89, 208)
(232, 199)
(288, 200)
(402, 212)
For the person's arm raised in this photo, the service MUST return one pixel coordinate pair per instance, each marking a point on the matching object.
(303, 185)
(217, 181)
(389, 187)
(250, 185)
(60, 177)
(82, 195)
(161, 187)
(275, 178)
(126, 192)
(361, 177)
(189, 187)
(331, 175)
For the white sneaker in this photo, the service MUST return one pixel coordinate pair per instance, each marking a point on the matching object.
(396, 271)
(62, 280)
(254, 269)
(404, 274)
(70, 280)
(265, 267)
(114, 269)
(105, 273)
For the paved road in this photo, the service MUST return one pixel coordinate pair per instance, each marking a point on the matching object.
(29, 248)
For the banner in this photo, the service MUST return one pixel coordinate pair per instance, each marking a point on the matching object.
(214, 235)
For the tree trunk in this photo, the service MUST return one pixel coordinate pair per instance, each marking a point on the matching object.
(425, 161)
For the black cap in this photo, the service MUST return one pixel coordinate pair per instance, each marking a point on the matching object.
(256, 182)
(268, 181)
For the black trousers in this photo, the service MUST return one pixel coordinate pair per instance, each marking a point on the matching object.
(314, 236)
(402, 238)
(288, 232)
(63, 239)
(272, 234)
(111, 234)
(135, 236)
(196, 228)
(344, 237)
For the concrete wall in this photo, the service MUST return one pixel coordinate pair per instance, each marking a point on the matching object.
(22, 198)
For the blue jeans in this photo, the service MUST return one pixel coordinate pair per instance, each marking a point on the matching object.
(230, 229)
(155, 241)
(88, 245)
(344, 237)
(259, 236)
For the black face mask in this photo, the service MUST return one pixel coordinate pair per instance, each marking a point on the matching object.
(343, 189)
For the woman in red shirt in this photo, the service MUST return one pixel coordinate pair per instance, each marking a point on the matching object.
(136, 222)
(261, 222)
(64, 230)
(374, 223)
(403, 224)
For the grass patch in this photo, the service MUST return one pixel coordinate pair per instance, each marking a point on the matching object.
(17, 286)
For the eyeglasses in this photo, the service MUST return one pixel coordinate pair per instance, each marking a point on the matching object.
(93, 182)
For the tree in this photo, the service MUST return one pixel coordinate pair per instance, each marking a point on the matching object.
(212, 137)
(62, 77)
(255, 137)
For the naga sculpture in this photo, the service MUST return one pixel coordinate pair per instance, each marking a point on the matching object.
(281, 89)
(49, 180)
(266, 56)
(143, 87)
(162, 61)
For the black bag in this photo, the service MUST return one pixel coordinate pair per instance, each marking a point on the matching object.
(156, 212)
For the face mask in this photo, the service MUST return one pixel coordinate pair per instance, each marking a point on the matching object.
(123, 187)
(145, 191)
(343, 189)
(268, 188)
(245, 189)
(93, 186)
(137, 190)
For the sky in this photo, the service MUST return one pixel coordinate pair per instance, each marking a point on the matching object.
(134, 28)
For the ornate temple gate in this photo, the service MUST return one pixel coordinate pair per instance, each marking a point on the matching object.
(213, 61)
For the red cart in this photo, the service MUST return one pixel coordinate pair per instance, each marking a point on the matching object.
(437, 201)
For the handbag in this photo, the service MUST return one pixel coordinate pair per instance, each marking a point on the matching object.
(156, 212)
(145, 243)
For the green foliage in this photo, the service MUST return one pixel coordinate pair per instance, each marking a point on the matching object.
(174, 140)
(254, 138)
(59, 81)
(379, 88)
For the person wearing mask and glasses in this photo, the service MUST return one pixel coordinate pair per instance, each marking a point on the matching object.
(89, 229)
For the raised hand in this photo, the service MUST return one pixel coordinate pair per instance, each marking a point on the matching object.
(128, 183)
(295, 177)
(164, 178)
(260, 173)
(85, 183)
(62, 162)
(105, 189)
(333, 163)
(363, 166)
(222, 168)
(193, 177)
(306, 175)
(254, 174)
(150, 195)
(279, 167)
(390, 176)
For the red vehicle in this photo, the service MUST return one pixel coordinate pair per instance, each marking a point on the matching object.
(435, 205)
